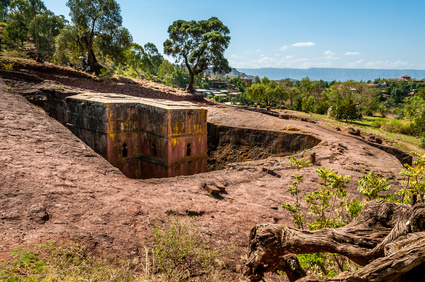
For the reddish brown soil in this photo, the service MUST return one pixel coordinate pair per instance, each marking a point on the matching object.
(53, 186)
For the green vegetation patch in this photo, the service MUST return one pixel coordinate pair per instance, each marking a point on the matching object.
(68, 262)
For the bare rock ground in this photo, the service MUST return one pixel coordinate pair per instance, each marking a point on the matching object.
(54, 187)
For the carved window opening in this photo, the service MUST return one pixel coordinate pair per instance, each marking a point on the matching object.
(154, 150)
(189, 150)
(124, 150)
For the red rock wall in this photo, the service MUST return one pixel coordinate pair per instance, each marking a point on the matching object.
(142, 140)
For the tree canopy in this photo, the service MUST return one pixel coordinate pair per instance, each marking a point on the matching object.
(199, 44)
(98, 19)
(30, 21)
(268, 92)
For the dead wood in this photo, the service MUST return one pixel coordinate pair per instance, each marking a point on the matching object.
(405, 264)
(379, 232)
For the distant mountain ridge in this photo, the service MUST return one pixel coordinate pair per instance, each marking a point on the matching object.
(330, 74)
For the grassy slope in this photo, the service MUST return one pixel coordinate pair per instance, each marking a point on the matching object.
(366, 127)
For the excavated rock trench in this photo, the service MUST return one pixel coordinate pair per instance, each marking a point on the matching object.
(225, 144)
(232, 144)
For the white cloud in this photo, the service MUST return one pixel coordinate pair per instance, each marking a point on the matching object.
(304, 44)
(284, 48)
(288, 61)
(385, 64)
(327, 59)
(330, 58)
(258, 50)
(299, 44)
(356, 64)
(351, 53)
(377, 64)
(236, 56)
(291, 62)
(266, 62)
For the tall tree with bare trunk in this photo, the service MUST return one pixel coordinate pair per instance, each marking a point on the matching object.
(199, 45)
(94, 19)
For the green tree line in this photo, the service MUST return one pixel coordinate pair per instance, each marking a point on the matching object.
(96, 33)
(350, 100)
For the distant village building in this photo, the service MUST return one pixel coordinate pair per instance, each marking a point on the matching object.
(418, 80)
(403, 78)
(406, 77)
(234, 94)
(218, 84)
(380, 85)
(204, 92)
(144, 138)
(248, 81)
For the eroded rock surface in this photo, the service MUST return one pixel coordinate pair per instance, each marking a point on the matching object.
(53, 186)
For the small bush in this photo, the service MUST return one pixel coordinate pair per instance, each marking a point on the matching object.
(422, 142)
(16, 53)
(393, 126)
(7, 65)
(377, 123)
(181, 252)
(371, 184)
(354, 209)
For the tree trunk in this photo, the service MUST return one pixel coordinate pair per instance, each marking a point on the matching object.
(382, 230)
(92, 62)
(190, 87)
(91, 58)
(36, 33)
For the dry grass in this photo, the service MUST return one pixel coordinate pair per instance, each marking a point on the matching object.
(180, 254)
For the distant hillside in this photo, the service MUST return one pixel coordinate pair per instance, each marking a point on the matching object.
(330, 74)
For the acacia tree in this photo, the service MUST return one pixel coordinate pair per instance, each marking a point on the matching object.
(94, 18)
(200, 44)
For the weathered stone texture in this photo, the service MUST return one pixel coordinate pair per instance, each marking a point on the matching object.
(144, 138)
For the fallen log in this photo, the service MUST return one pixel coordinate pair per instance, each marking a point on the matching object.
(381, 231)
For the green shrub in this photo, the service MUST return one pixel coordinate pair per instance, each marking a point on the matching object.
(319, 263)
(397, 126)
(419, 124)
(415, 183)
(354, 209)
(422, 142)
(321, 108)
(370, 185)
(377, 123)
(70, 262)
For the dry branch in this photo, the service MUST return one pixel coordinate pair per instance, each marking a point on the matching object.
(383, 232)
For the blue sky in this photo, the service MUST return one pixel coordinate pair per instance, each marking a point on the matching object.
(373, 34)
